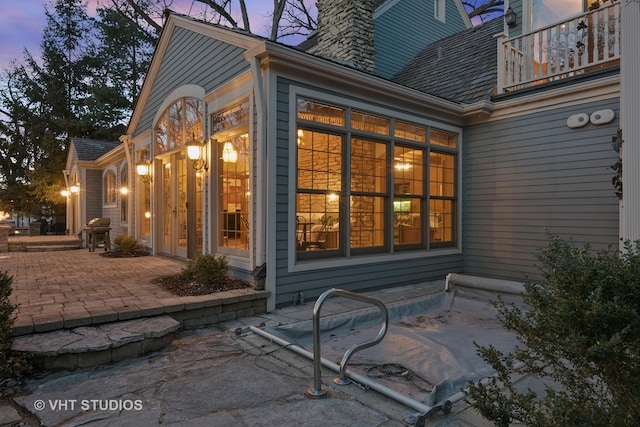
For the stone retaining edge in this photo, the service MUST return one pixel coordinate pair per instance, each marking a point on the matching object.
(197, 312)
(191, 312)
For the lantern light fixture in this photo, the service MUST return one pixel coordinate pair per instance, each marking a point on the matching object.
(510, 17)
(196, 152)
(144, 171)
(229, 154)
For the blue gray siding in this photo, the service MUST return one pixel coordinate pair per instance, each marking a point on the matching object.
(93, 198)
(527, 175)
(353, 278)
(191, 58)
(405, 29)
(516, 30)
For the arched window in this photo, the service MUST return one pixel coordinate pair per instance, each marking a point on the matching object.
(124, 193)
(179, 123)
(109, 186)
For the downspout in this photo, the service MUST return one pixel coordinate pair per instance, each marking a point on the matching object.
(261, 170)
(130, 171)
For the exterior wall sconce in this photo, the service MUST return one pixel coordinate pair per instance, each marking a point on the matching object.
(74, 189)
(229, 154)
(65, 193)
(510, 17)
(195, 152)
(144, 171)
(124, 191)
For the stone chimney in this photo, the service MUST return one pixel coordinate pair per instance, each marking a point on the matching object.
(345, 32)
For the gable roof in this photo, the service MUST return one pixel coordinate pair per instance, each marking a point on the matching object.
(91, 149)
(233, 36)
(461, 68)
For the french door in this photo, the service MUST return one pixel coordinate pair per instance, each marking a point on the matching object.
(174, 223)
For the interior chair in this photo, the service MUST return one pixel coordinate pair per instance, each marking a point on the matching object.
(301, 232)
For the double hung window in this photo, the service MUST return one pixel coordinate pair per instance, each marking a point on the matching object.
(368, 183)
(230, 129)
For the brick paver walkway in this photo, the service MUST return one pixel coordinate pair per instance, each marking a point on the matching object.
(65, 288)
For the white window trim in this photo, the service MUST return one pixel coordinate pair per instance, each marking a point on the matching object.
(439, 10)
(240, 257)
(119, 195)
(186, 91)
(310, 265)
(113, 170)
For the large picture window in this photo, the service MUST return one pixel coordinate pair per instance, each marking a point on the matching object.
(231, 131)
(319, 190)
(371, 184)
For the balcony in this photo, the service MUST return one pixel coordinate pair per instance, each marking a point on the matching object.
(579, 45)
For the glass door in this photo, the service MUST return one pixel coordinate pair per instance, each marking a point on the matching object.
(175, 225)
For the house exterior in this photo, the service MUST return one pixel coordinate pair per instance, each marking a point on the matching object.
(95, 174)
(361, 162)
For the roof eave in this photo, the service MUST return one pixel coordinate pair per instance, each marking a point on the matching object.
(314, 67)
(174, 20)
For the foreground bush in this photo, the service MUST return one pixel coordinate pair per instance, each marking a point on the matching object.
(126, 244)
(12, 364)
(582, 334)
(206, 269)
(6, 316)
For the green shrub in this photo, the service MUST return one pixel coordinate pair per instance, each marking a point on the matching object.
(6, 313)
(581, 334)
(126, 244)
(206, 269)
(12, 364)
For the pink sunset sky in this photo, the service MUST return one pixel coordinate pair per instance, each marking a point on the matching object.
(22, 23)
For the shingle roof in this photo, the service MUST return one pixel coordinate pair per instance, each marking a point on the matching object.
(461, 68)
(91, 149)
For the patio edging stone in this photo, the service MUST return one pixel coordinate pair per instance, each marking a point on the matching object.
(112, 334)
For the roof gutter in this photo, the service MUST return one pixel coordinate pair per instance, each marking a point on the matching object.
(338, 75)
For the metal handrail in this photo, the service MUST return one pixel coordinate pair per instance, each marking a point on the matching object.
(317, 390)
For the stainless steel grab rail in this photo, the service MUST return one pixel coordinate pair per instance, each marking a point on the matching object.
(317, 390)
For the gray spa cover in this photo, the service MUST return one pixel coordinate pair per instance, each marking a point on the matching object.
(429, 351)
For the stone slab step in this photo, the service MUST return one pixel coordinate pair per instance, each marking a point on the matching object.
(86, 346)
(46, 248)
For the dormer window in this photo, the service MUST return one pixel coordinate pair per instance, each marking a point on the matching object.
(439, 9)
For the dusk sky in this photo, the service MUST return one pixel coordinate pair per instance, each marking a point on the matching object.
(22, 23)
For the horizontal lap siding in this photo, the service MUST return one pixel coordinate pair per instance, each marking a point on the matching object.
(93, 194)
(353, 278)
(527, 175)
(192, 58)
(408, 27)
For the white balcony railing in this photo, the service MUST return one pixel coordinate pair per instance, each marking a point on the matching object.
(572, 47)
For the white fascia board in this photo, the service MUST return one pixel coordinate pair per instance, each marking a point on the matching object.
(463, 13)
(570, 95)
(227, 35)
(316, 69)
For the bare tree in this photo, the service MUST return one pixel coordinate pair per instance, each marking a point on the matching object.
(145, 14)
(300, 18)
(484, 9)
(288, 17)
